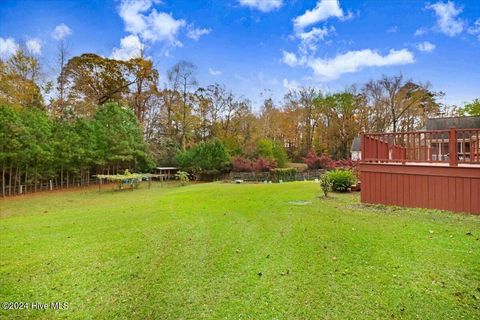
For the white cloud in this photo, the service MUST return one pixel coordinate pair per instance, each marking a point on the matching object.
(447, 17)
(196, 33)
(290, 85)
(290, 59)
(163, 27)
(323, 10)
(61, 32)
(420, 32)
(151, 25)
(310, 39)
(34, 46)
(426, 46)
(352, 61)
(475, 29)
(8, 47)
(262, 5)
(130, 47)
(131, 11)
(214, 72)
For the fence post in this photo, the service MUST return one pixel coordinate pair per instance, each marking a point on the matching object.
(452, 145)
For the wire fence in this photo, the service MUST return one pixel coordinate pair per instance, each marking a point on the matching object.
(266, 176)
(50, 185)
(54, 185)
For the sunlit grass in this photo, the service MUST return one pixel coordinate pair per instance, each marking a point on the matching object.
(276, 251)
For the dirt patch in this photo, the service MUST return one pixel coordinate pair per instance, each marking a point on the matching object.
(375, 208)
(299, 202)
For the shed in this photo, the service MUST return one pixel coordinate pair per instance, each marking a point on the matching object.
(166, 173)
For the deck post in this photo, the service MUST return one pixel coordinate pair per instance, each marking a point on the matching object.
(452, 145)
(362, 146)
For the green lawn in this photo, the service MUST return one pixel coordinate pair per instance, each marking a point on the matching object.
(226, 251)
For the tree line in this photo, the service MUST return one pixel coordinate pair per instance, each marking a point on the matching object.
(36, 148)
(103, 115)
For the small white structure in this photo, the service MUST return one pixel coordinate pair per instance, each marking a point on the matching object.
(356, 150)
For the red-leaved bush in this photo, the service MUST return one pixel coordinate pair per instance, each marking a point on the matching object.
(264, 165)
(313, 161)
(241, 164)
(327, 163)
(346, 164)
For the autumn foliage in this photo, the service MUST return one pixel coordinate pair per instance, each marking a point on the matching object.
(314, 161)
(242, 164)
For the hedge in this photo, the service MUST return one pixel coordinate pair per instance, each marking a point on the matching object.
(284, 174)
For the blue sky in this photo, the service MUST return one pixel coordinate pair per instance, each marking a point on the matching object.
(256, 45)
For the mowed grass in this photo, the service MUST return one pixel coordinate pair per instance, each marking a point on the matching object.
(225, 251)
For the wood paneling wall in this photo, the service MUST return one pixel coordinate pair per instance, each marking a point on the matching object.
(435, 187)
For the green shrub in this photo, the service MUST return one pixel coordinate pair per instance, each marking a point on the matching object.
(265, 149)
(204, 157)
(284, 174)
(279, 154)
(272, 150)
(325, 184)
(183, 177)
(341, 180)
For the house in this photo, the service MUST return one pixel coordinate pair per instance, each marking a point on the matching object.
(356, 150)
(472, 122)
(465, 143)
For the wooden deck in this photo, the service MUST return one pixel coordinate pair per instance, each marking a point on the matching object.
(404, 169)
(423, 186)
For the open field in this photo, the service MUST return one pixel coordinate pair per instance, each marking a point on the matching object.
(227, 251)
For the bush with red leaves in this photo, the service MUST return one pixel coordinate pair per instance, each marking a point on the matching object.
(241, 164)
(313, 161)
(327, 163)
(264, 165)
(346, 164)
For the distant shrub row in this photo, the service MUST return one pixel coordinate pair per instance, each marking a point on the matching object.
(283, 174)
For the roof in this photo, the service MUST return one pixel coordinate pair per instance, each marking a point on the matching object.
(166, 168)
(453, 122)
(356, 146)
